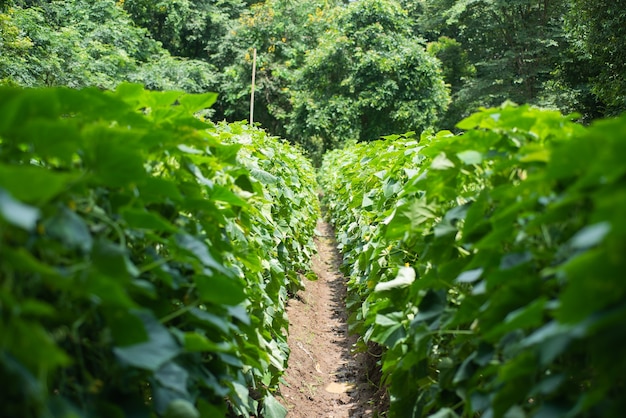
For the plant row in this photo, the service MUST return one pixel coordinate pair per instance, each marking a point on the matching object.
(489, 264)
(146, 256)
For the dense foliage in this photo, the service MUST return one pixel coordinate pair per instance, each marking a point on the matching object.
(281, 32)
(80, 43)
(147, 253)
(367, 77)
(331, 70)
(147, 256)
(600, 28)
(489, 264)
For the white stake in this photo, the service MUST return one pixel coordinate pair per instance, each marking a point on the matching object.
(252, 93)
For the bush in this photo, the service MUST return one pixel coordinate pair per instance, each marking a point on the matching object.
(489, 264)
(146, 255)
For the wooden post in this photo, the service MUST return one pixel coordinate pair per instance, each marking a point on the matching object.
(252, 93)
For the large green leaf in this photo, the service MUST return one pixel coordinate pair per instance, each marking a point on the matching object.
(219, 289)
(43, 184)
(272, 408)
(114, 156)
(201, 251)
(152, 354)
(409, 218)
(195, 102)
(143, 219)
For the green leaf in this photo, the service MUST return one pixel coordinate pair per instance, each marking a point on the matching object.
(367, 201)
(113, 261)
(538, 155)
(470, 276)
(444, 413)
(470, 157)
(441, 162)
(239, 312)
(142, 219)
(154, 353)
(263, 176)
(246, 404)
(590, 236)
(114, 156)
(17, 213)
(30, 343)
(161, 99)
(195, 102)
(272, 408)
(528, 317)
(553, 339)
(389, 330)
(62, 140)
(36, 308)
(173, 377)
(155, 189)
(200, 250)
(408, 218)
(223, 194)
(219, 289)
(405, 276)
(512, 260)
(196, 342)
(70, 228)
(431, 306)
(22, 260)
(595, 282)
(129, 92)
(105, 291)
(210, 411)
(43, 184)
(467, 368)
(126, 326)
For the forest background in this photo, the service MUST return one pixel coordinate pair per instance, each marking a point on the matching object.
(331, 71)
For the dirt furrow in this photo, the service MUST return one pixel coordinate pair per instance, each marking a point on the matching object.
(325, 377)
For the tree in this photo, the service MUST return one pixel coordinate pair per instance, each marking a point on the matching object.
(281, 31)
(514, 45)
(599, 27)
(78, 43)
(457, 71)
(187, 28)
(367, 77)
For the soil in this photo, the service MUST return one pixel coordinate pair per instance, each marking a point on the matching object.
(326, 378)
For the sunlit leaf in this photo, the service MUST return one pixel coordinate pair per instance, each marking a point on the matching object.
(405, 276)
(470, 157)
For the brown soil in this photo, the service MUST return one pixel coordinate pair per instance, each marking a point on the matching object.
(326, 378)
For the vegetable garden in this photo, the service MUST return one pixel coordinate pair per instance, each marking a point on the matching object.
(489, 265)
(147, 256)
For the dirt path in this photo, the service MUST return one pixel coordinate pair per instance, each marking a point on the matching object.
(325, 379)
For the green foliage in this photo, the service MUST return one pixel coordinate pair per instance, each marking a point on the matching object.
(489, 264)
(79, 43)
(368, 77)
(600, 27)
(172, 73)
(282, 32)
(455, 64)
(186, 28)
(457, 71)
(515, 47)
(147, 256)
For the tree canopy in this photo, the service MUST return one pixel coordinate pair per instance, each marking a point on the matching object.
(367, 77)
(329, 71)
